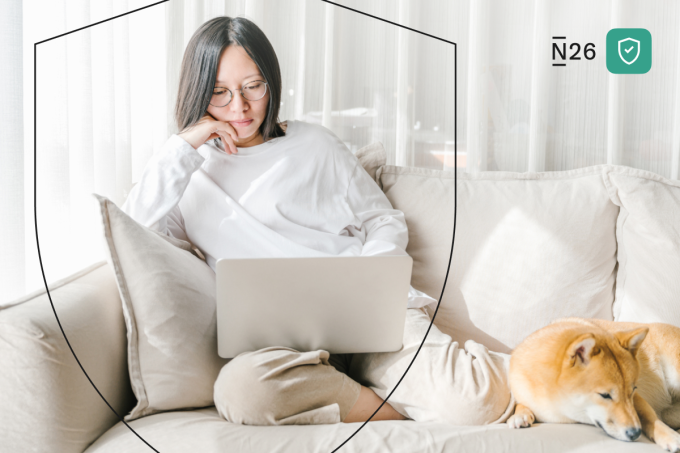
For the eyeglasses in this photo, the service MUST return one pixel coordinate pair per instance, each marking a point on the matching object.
(253, 91)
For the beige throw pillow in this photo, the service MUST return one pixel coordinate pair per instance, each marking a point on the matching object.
(648, 234)
(168, 294)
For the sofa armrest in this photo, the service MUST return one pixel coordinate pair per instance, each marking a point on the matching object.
(46, 402)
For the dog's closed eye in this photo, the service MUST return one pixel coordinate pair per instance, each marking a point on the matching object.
(606, 396)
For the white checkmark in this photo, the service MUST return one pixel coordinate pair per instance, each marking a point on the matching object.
(628, 50)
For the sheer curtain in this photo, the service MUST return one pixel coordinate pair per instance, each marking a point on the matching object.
(106, 95)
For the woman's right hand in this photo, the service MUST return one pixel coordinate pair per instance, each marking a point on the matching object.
(209, 128)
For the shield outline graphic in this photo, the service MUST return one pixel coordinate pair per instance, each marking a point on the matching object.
(638, 50)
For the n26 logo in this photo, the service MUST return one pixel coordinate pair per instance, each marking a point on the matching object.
(559, 51)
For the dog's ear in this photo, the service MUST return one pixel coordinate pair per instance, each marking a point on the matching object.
(582, 349)
(632, 339)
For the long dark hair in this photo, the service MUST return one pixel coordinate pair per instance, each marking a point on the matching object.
(199, 70)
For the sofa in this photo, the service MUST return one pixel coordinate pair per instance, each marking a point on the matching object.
(601, 242)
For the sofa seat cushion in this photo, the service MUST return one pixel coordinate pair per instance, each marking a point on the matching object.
(203, 430)
(529, 248)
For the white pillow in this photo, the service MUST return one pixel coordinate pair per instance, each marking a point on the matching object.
(168, 294)
(648, 233)
(529, 248)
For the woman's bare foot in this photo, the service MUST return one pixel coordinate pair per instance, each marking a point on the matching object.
(367, 403)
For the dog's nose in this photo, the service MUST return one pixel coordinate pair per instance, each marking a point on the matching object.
(633, 433)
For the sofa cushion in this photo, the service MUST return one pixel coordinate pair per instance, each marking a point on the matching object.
(529, 248)
(168, 294)
(205, 431)
(648, 233)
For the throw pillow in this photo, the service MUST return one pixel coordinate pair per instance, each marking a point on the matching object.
(648, 234)
(168, 294)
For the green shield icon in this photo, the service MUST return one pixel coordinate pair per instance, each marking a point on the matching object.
(629, 51)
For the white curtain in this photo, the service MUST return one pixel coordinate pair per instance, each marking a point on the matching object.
(106, 97)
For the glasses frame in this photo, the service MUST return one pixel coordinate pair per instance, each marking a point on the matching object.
(240, 90)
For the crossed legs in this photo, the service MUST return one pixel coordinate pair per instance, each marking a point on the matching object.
(278, 386)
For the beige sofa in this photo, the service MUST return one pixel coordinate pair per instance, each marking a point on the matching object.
(600, 241)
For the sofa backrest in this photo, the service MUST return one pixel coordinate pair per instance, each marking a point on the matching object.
(529, 247)
(47, 402)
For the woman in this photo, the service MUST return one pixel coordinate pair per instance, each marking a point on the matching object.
(237, 183)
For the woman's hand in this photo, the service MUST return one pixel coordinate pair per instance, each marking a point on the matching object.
(209, 128)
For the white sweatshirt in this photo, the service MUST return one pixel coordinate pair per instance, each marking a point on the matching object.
(303, 194)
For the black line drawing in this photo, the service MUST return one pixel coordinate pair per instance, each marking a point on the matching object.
(35, 214)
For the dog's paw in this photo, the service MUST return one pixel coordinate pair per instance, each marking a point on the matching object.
(666, 438)
(520, 421)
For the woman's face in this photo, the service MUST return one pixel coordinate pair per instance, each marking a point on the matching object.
(235, 70)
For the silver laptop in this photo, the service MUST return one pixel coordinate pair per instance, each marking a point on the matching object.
(339, 304)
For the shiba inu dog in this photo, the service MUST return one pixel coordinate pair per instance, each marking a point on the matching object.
(623, 377)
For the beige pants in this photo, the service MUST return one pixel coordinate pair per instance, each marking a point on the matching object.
(279, 386)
